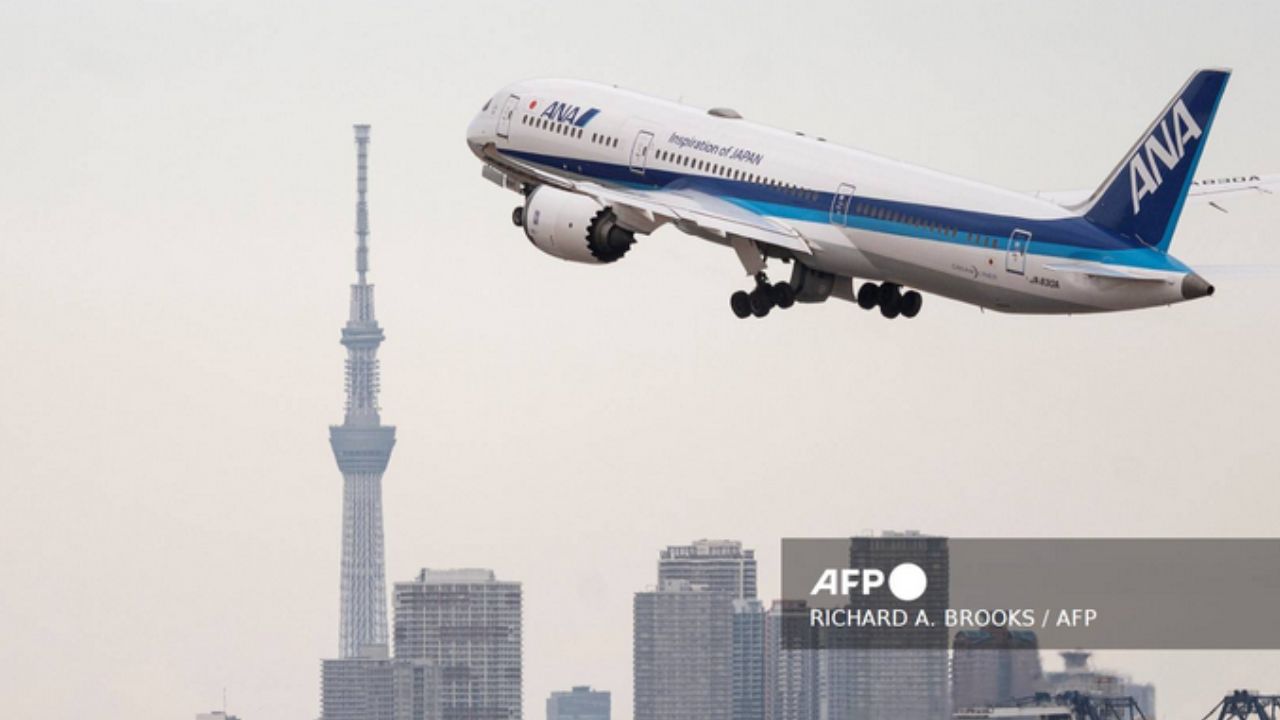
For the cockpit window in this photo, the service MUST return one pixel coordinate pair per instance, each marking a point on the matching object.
(487, 103)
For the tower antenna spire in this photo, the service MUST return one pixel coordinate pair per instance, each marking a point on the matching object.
(362, 205)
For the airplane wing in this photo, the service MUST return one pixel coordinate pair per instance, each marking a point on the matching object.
(1203, 190)
(701, 214)
(692, 211)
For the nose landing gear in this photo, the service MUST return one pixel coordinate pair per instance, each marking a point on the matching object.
(890, 299)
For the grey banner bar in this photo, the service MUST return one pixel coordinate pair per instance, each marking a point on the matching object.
(1146, 593)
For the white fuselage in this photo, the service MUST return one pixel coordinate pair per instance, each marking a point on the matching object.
(862, 215)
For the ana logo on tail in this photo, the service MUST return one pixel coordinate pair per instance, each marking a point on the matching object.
(1176, 130)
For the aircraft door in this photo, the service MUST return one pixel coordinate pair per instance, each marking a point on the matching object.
(1015, 260)
(841, 204)
(640, 152)
(504, 117)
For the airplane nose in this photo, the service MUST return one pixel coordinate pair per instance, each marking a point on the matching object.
(477, 133)
(1194, 286)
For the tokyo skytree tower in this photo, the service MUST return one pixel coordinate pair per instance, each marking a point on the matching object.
(362, 446)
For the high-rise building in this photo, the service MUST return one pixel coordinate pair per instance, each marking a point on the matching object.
(468, 624)
(683, 653)
(1079, 675)
(748, 655)
(894, 683)
(358, 688)
(993, 666)
(362, 446)
(791, 674)
(375, 687)
(718, 565)
(580, 703)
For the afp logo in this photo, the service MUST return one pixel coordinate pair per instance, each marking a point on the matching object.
(565, 113)
(907, 581)
(1176, 130)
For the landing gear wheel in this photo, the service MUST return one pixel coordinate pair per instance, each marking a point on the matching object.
(517, 216)
(761, 303)
(741, 304)
(890, 300)
(911, 302)
(782, 295)
(868, 296)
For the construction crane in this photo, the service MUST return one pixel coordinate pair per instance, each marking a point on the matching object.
(1246, 705)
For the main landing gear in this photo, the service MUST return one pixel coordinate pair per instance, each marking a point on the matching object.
(890, 299)
(764, 298)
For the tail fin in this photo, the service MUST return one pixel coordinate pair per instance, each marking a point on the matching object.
(1143, 196)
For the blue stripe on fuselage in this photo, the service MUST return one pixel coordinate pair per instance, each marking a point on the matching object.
(1073, 238)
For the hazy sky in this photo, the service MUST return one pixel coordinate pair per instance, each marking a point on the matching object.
(176, 214)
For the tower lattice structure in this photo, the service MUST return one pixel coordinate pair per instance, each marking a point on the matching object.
(362, 446)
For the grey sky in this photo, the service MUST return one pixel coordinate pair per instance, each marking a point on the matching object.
(176, 206)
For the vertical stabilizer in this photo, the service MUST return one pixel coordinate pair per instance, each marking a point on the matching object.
(1142, 198)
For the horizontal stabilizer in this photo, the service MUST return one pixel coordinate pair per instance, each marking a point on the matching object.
(1099, 270)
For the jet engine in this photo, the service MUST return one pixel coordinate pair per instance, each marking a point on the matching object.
(573, 227)
(809, 285)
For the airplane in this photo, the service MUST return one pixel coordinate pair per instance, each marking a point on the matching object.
(597, 166)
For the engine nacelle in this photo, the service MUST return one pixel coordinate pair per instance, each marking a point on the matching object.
(809, 285)
(574, 227)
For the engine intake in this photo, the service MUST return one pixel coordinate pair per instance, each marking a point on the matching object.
(574, 227)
